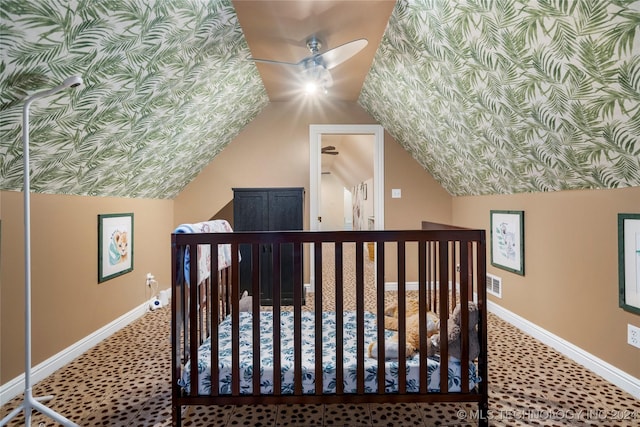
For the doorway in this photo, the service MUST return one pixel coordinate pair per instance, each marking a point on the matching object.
(316, 134)
(347, 175)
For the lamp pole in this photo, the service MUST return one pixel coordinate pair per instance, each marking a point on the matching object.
(30, 403)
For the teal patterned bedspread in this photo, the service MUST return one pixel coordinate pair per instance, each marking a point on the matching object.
(308, 358)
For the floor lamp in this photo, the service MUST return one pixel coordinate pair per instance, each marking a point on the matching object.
(30, 403)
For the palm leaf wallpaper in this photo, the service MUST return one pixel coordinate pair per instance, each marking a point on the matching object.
(510, 96)
(489, 96)
(167, 87)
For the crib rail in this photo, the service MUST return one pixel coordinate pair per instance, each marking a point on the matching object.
(445, 266)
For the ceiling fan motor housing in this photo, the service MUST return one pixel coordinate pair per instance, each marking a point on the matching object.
(314, 45)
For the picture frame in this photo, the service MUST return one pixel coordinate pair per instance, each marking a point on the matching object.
(115, 245)
(507, 240)
(629, 261)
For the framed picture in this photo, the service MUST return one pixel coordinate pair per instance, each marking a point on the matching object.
(629, 261)
(507, 240)
(115, 245)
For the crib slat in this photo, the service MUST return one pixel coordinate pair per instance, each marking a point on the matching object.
(443, 256)
(464, 322)
(235, 327)
(423, 306)
(177, 324)
(453, 263)
(213, 314)
(182, 302)
(277, 336)
(379, 259)
(297, 319)
(360, 317)
(193, 316)
(255, 319)
(431, 280)
(339, 316)
(481, 289)
(317, 251)
(402, 319)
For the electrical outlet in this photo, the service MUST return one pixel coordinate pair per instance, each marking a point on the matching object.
(150, 279)
(633, 335)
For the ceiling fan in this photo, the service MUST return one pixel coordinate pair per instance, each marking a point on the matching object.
(329, 149)
(315, 67)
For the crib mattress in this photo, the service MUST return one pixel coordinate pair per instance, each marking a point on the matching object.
(308, 358)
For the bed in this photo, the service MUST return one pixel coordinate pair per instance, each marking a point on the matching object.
(317, 352)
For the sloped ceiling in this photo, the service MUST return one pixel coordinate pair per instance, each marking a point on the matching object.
(353, 164)
(488, 96)
(513, 96)
(167, 87)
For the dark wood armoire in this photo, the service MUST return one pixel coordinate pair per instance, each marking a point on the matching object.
(269, 209)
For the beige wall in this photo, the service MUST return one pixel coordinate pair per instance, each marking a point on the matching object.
(273, 150)
(570, 286)
(68, 304)
(423, 199)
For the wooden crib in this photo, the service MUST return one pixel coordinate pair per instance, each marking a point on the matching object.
(442, 266)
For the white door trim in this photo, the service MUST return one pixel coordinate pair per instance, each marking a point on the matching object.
(315, 141)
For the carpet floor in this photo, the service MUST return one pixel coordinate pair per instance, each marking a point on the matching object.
(125, 381)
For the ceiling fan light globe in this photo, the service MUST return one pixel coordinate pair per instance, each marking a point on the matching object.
(311, 87)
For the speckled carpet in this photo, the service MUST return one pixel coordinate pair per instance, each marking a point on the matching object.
(125, 381)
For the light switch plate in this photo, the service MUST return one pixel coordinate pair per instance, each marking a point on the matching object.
(396, 193)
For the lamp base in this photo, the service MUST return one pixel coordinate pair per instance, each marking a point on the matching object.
(34, 403)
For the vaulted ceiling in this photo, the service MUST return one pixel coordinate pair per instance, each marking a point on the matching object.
(490, 97)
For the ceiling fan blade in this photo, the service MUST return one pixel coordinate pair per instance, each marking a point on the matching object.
(329, 149)
(270, 61)
(338, 55)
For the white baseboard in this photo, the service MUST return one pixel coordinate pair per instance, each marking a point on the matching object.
(626, 382)
(414, 286)
(393, 286)
(14, 387)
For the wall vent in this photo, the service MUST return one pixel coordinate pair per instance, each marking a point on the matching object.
(494, 285)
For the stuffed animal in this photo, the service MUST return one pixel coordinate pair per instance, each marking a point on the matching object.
(246, 302)
(454, 332)
(412, 330)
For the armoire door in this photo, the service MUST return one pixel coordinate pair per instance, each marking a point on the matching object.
(285, 213)
(251, 213)
(269, 209)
